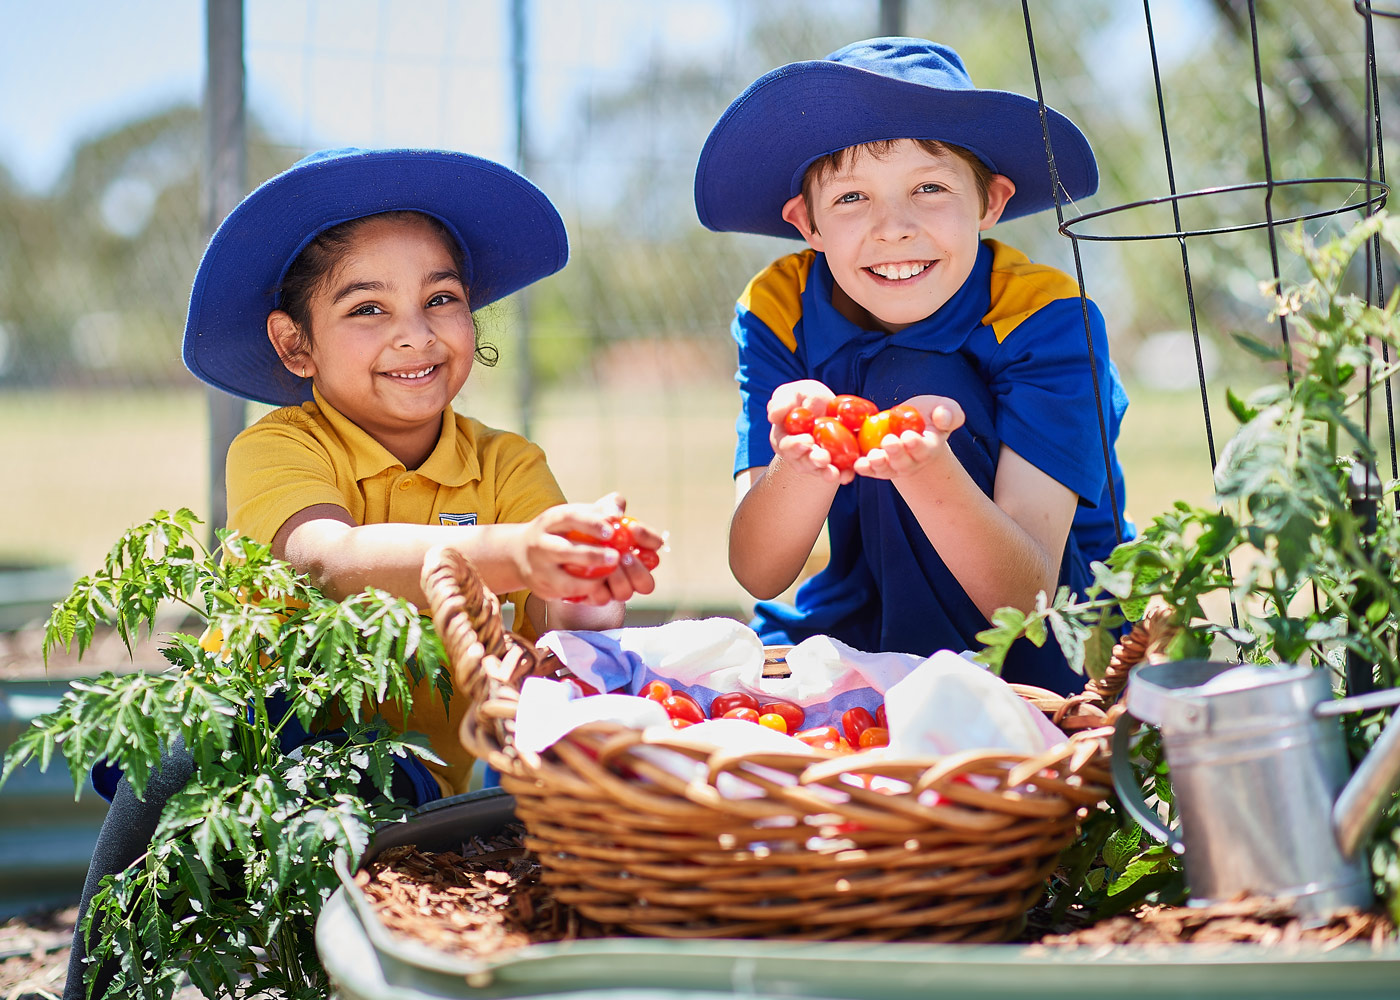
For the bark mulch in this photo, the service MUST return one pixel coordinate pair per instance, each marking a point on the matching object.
(491, 900)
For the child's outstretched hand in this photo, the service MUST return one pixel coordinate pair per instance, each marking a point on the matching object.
(575, 552)
(790, 408)
(910, 452)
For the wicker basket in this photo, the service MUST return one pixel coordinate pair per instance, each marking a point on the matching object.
(633, 846)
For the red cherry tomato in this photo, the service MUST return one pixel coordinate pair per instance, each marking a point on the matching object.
(589, 572)
(585, 689)
(747, 714)
(874, 736)
(656, 691)
(856, 721)
(837, 439)
(852, 410)
(734, 699)
(819, 735)
(798, 420)
(880, 719)
(793, 715)
(772, 720)
(905, 418)
(683, 706)
(648, 558)
(873, 431)
(678, 723)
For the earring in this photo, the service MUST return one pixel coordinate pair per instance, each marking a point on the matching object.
(303, 371)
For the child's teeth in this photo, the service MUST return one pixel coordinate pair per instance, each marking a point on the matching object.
(418, 374)
(898, 271)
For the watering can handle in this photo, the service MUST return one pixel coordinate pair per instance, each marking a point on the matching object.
(1129, 791)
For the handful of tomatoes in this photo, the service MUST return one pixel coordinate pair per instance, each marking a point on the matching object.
(859, 727)
(622, 540)
(852, 426)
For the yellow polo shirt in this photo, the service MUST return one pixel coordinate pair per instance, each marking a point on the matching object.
(300, 456)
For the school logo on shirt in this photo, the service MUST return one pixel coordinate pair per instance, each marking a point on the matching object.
(457, 518)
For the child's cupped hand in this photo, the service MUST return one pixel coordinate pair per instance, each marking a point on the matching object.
(801, 451)
(555, 552)
(911, 452)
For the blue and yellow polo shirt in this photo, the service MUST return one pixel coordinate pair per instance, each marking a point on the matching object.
(1010, 347)
(300, 456)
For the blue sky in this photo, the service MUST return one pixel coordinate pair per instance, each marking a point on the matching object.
(320, 72)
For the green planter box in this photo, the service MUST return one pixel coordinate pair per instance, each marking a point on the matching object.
(367, 963)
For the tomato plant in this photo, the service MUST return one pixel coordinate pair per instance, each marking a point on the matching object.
(834, 436)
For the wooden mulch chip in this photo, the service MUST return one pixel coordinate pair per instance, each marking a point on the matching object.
(1247, 920)
(485, 900)
(489, 899)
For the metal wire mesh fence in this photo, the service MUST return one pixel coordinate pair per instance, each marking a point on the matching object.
(621, 365)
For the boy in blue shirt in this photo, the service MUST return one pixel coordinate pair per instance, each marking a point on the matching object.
(887, 161)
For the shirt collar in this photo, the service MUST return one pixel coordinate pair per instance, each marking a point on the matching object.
(825, 331)
(452, 462)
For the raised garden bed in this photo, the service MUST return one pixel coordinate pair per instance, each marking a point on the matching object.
(510, 939)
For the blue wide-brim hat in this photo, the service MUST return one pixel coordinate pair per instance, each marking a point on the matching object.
(877, 89)
(510, 234)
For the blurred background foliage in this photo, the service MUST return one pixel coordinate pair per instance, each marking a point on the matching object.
(95, 269)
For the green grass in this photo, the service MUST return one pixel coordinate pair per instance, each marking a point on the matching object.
(87, 465)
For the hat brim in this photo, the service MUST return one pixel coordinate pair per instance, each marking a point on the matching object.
(511, 234)
(756, 154)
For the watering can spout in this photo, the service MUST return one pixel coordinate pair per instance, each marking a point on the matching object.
(1368, 792)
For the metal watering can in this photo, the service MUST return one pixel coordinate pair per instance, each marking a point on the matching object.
(1259, 777)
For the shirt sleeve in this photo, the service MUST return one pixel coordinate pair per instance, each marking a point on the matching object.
(273, 470)
(1053, 407)
(765, 363)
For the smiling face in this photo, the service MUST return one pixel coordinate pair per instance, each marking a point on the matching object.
(900, 230)
(390, 340)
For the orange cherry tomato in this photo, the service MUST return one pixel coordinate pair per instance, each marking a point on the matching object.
(793, 715)
(819, 735)
(747, 714)
(799, 420)
(734, 699)
(856, 721)
(656, 691)
(683, 706)
(852, 410)
(875, 736)
(837, 439)
(880, 719)
(678, 723)
(873, 431)
(905, 418)
(772, 720)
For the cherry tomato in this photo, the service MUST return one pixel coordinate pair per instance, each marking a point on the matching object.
(648, 558)
(585, 689)
(678, 723)
(852, 410)
(819, 735)
(880, 719)
(838, 441)
(589, 572)
(873, 431)
(747, 714)
(772, 720)
(874, 736)
(656, 691)
(683, 706)
(734, 699)
(793, 715)
(905, 418)
(798, 420)
(856, 721)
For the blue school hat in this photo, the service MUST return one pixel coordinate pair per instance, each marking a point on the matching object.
(880, 88)
(510, 234)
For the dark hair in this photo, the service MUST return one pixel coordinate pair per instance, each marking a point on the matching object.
(824, 166)
(316, 263)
